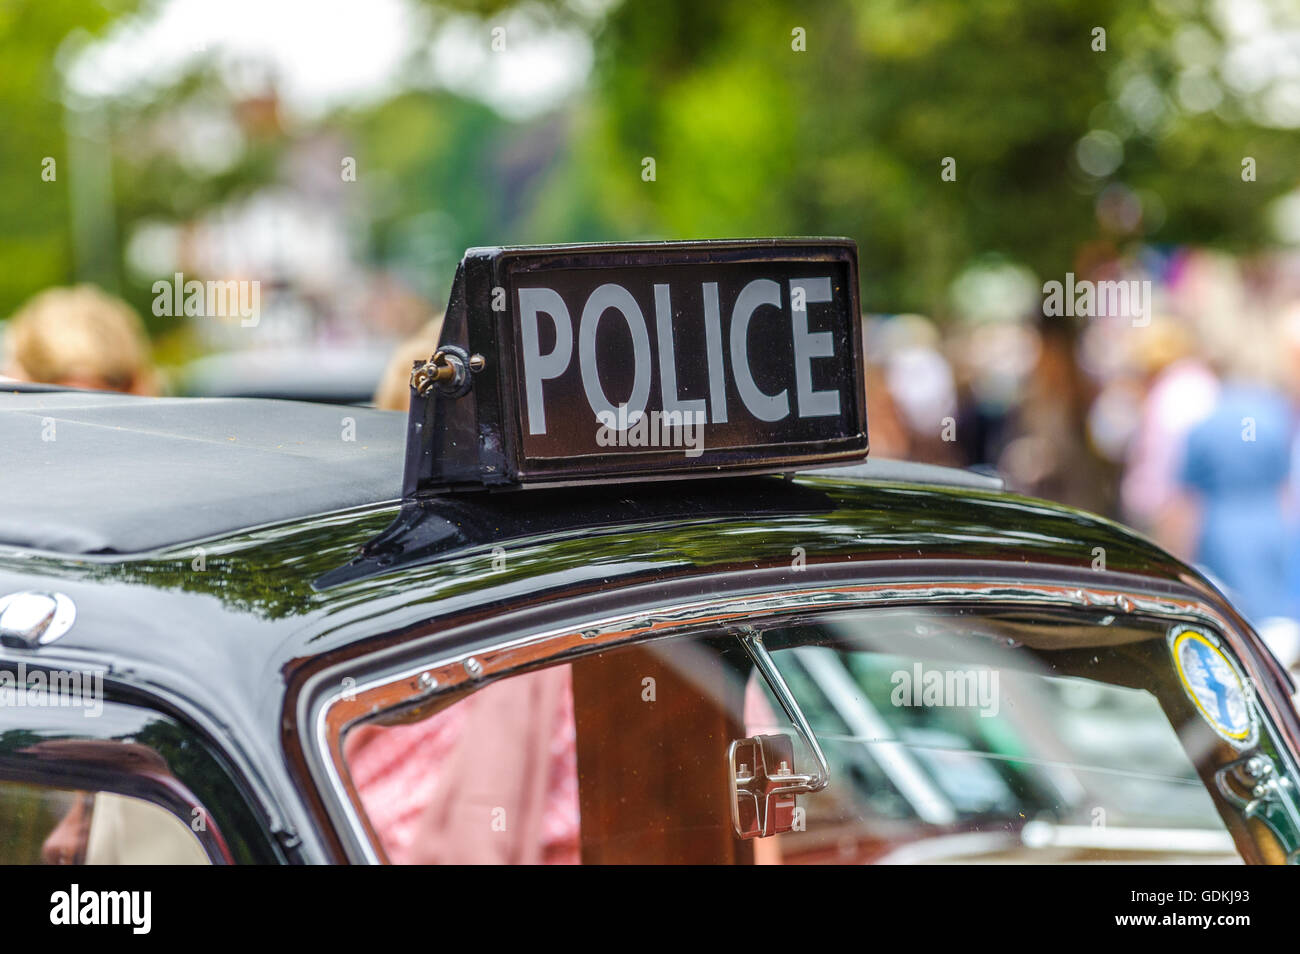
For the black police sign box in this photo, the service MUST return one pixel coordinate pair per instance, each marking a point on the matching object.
(662, 360)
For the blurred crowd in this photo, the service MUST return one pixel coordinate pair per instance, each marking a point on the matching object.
(1183, 423)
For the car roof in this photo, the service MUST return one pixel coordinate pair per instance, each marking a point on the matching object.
(304, 551)
(230, 633)
(93, 472)
(89, 472)
(279, 593)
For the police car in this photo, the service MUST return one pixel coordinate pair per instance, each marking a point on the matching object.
(622, 588)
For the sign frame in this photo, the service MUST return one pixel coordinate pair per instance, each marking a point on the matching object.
(471, 438)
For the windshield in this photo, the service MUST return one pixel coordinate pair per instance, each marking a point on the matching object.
(951, 735)
(929, 734)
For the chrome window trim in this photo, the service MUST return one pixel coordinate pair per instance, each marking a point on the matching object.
(454, 670)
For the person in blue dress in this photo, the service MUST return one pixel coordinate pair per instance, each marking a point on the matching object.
(1237, 465)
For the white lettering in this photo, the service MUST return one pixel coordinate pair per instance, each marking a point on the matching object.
(604, 298)
(809, 345)
(540, 367)
(765, 407)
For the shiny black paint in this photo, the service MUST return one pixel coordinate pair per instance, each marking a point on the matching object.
(218, 633)
(49, 748)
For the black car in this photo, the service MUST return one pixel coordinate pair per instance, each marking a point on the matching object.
(531, 622)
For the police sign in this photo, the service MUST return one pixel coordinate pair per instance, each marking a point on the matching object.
(566, 364)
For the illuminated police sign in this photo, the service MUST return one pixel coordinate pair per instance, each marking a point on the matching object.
(664, 360)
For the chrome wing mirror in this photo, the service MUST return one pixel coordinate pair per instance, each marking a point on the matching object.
(761, 770)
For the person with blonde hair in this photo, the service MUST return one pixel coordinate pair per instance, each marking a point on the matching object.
(1180, 391)
(78, 337)
(394, 390)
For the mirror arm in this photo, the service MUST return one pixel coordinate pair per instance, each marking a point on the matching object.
(752, 640)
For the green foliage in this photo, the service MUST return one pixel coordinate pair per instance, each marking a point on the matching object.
(35, 240)
(431, 167)
(749, 136)
(752, 137)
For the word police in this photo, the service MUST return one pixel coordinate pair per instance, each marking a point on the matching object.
(737, 358)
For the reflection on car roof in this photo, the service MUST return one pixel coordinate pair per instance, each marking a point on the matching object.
(93, 472)
(97, 473)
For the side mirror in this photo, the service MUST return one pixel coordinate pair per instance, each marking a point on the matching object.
(764, 785)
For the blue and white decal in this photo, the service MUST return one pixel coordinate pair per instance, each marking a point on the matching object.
(1216, 686)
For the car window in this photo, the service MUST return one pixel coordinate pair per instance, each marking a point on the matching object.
(44, 825)
(886, 736)
(1028, 766)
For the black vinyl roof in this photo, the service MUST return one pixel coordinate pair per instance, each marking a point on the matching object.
(94, 472)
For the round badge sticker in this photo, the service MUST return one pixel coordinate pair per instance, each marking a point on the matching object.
(1215, 685)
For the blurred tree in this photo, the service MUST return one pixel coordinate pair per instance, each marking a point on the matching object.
(433, 171)
(35, 227)
(762, 117)
(771, 118)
